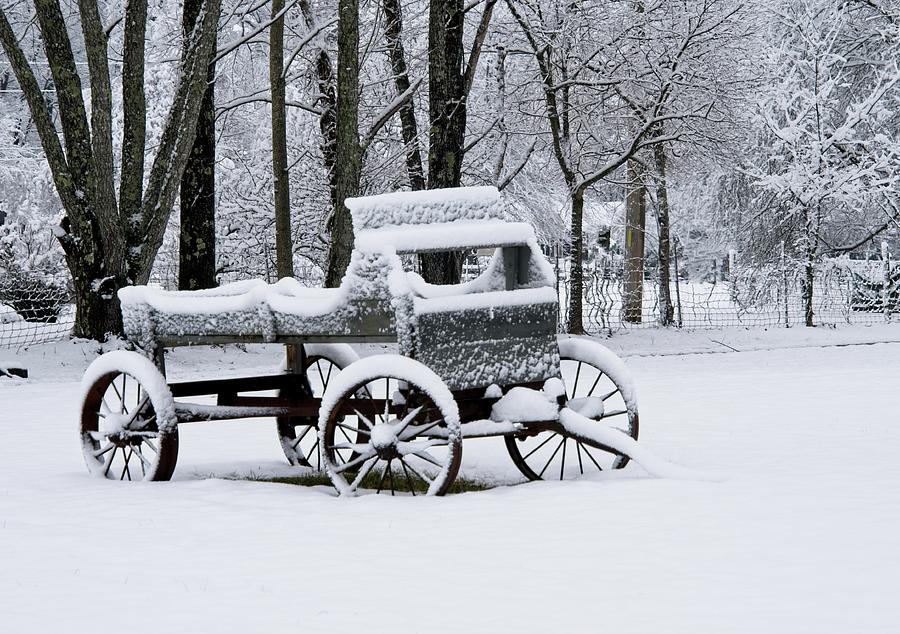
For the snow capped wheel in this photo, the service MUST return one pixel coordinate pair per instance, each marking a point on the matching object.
(598, 386)
(389, 424)
(128, 425)
(298, 436)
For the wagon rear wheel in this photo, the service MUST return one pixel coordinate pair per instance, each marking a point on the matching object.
(598, 386)
(128, 430)
(298, 436)
(390, 425)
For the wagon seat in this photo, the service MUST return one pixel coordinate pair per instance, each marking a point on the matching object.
(498, 328)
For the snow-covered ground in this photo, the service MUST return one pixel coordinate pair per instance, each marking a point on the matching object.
(801, 536)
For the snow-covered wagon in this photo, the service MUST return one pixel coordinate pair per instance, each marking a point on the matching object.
(476, 359)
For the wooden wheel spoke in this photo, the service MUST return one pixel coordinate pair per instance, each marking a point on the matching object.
(365, 420)
(562, 467)
(421, 477)
(125, 469)
(142, 457)
(596, 464)
(119, 396)
(417, 430)
(144, 462)
(410, 417)
(384, 473)
(355, 447)
(358, 430)
(110, 461)
(549, 438)
(594, 386)
(391, 476)
(138, 409)
(319, 369)
(617, 412)
(577, 375)
(610, 394)
(427, 457)
(103, 450)
(364, 471)
(409, 483)
(344, 434)
(150, 445)
(358, 460)
(331, 367)
(297, 441)
(552, 456)
(578, 451)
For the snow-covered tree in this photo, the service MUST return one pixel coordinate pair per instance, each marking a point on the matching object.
(832, 163)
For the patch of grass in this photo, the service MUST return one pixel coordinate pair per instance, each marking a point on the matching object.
(371, 481)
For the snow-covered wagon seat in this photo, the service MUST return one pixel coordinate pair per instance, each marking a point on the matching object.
(497, 328)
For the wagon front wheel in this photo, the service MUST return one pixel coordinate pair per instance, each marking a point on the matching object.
(128, 426)
(390, 425)
(598, 386)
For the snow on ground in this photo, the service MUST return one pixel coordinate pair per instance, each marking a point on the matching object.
(801, 536)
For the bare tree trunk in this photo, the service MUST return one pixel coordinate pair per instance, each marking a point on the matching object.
(666, 310)
(284, 244)
(635, 222)
(326, 102)
(197, 238)
(576, 264)
(107, 244)
(447, 110)
(409, 128)
(348, 156)
(809, 249)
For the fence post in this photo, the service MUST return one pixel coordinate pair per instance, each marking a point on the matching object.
(680, 322)
(886, 286)
(784, 281)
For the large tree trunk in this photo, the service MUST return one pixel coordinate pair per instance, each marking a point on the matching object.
(109, 245)
(197, 238)
(348, 157)
(635, 222)
(447, 109)
(576, 264)
(666, 310)
(409, 128)
(284, 244)
(97, 310)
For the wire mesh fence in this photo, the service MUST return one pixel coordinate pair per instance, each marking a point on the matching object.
(844, 292)
(34, 310)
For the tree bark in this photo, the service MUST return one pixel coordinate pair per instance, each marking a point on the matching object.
(107, 245)
(348, 157)
(447, 110)
(809, 268)
(576, 264)
(666, 309)
(284, 244)
(197, 238)
(635, 223)
(409, 128)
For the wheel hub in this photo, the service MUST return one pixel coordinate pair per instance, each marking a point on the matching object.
(384, 441)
